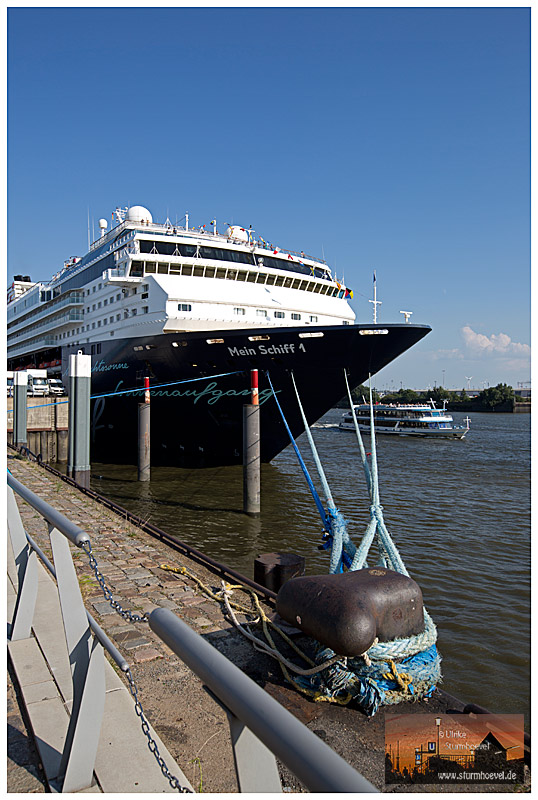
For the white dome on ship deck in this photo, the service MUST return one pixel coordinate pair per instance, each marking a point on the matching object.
(238, 233)
(139, 213)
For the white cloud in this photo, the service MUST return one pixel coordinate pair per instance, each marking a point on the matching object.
(496, 344)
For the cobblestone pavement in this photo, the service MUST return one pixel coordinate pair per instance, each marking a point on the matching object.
(192, 726)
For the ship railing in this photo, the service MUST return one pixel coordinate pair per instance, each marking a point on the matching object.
(72, 299)
(71, 316)
(261, 729)
(41, 343)
(158, 227)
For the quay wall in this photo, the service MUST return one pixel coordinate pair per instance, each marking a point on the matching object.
(47, 427)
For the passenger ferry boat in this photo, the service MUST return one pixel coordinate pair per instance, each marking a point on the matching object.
(173, 303)
(406, 420)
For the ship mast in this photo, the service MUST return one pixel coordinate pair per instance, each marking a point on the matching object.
(375, 301)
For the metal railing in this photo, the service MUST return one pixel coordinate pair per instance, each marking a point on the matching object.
(75, 768)
(261, 729)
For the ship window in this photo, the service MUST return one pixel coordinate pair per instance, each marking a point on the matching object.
(317, 288)
(240, 311)
(210, 272)
(288, 282)
(93, 324)
(279, 281)
(99, 285)
(313, 318)
(296, 316)
(296, 283)
(105, 321)
(118, 297)
(231, 274)
(271, 280)
(137, 269)
(261, 277)
(133, 312)
(98, 323)
(198, 272)
(184, 307)
(145, 309)
(93, 307)
(251, 277)
(105, 302)
(111, 319)
(187, 269)
(150, 268)
(279, 314)
(162, 269)
(99, 305)
(346, 322)
(144, 295)
(93, 289)
(309, 286)
(261, 312)
(241, 276)
(118, 317)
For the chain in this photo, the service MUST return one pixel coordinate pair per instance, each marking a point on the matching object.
(125, 613)
(152, 744)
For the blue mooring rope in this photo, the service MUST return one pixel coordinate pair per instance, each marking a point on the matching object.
(368, 681)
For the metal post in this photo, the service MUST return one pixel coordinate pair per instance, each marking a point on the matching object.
(144, 435)
(20, 402)
(78, 459)
(251, 450)
(86, 659)
(26, 565)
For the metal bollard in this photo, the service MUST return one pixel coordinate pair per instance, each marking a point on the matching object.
(251, 451)
(20, 402)
(78, 456)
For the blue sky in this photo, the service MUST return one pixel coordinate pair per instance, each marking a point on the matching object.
(394, 139)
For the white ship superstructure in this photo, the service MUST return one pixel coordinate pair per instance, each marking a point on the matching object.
(144, 279)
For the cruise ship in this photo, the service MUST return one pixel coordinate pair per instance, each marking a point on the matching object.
(195, 310)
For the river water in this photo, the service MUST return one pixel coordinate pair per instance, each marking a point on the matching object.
(458, 511)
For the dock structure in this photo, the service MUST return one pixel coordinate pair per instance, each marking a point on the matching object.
(46, 426)
(193, 729)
